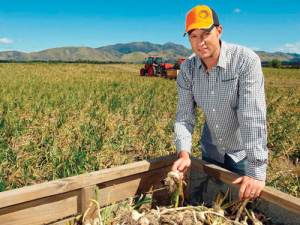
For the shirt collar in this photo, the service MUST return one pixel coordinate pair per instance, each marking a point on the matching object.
(222, 58)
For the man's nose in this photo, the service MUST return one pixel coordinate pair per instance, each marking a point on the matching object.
(201, 42)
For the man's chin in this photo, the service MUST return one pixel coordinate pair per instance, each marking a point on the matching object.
(203, 55)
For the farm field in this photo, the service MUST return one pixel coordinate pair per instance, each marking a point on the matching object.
(60, 120)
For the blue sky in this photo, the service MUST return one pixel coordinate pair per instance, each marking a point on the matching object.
(37, 25)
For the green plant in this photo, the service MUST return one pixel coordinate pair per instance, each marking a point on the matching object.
(275, 63)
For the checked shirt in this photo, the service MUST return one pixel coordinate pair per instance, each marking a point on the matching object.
(232, 98)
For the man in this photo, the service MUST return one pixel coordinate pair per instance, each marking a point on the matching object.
(227, 82)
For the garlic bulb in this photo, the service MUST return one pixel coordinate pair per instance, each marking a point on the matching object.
(135, 215)
(201, 216)
(144, 221)
(174, 175)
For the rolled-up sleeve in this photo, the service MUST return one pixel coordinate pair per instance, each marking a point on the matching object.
(252, 118)
(185, 114)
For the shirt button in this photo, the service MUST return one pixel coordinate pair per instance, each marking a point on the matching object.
(223, 148)
(212, 92)
(217, 126)
(220, 139)
(214, 110)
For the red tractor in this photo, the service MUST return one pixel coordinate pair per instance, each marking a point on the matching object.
(155, 66)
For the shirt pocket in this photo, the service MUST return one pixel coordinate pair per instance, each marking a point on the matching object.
(229, 91)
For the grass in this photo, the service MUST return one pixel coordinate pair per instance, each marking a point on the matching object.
(60, 120)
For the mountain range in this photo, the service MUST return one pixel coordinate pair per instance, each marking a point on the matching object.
(130, 52)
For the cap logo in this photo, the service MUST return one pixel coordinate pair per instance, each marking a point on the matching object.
(203, 14)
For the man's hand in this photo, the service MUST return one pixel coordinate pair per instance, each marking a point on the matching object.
(250, 187)
(182, 164)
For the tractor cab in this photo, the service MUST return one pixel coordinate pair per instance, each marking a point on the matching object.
(154, 60)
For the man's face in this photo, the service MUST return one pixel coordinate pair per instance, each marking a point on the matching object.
(206, 43)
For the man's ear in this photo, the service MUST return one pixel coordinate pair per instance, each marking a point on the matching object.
(219, 31)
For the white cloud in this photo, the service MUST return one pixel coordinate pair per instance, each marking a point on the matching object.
(5, 41)
(4, 50)
(237, 10)
(290, 48)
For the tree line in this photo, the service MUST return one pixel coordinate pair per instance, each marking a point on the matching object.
(276, 63)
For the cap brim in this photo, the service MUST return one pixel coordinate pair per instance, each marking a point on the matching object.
(201, 26)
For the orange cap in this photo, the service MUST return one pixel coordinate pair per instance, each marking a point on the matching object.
(201, 17)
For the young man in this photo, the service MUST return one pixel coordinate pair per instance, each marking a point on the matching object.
(227, 82)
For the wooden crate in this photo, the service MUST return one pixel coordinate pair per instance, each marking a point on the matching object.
(58, 201)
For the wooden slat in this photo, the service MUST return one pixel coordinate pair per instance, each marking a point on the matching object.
(25, 194)
(88, 193)
(43, 210)
(269, 194)
(120, 189)
(281, 199)
(213, 170)
(70, 220)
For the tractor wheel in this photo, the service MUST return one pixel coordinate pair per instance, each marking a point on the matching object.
(142, 72)
(151, 71)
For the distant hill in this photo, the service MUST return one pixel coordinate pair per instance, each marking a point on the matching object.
(266, 56)
(170, 50)
(63, 54)
(130, 52)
